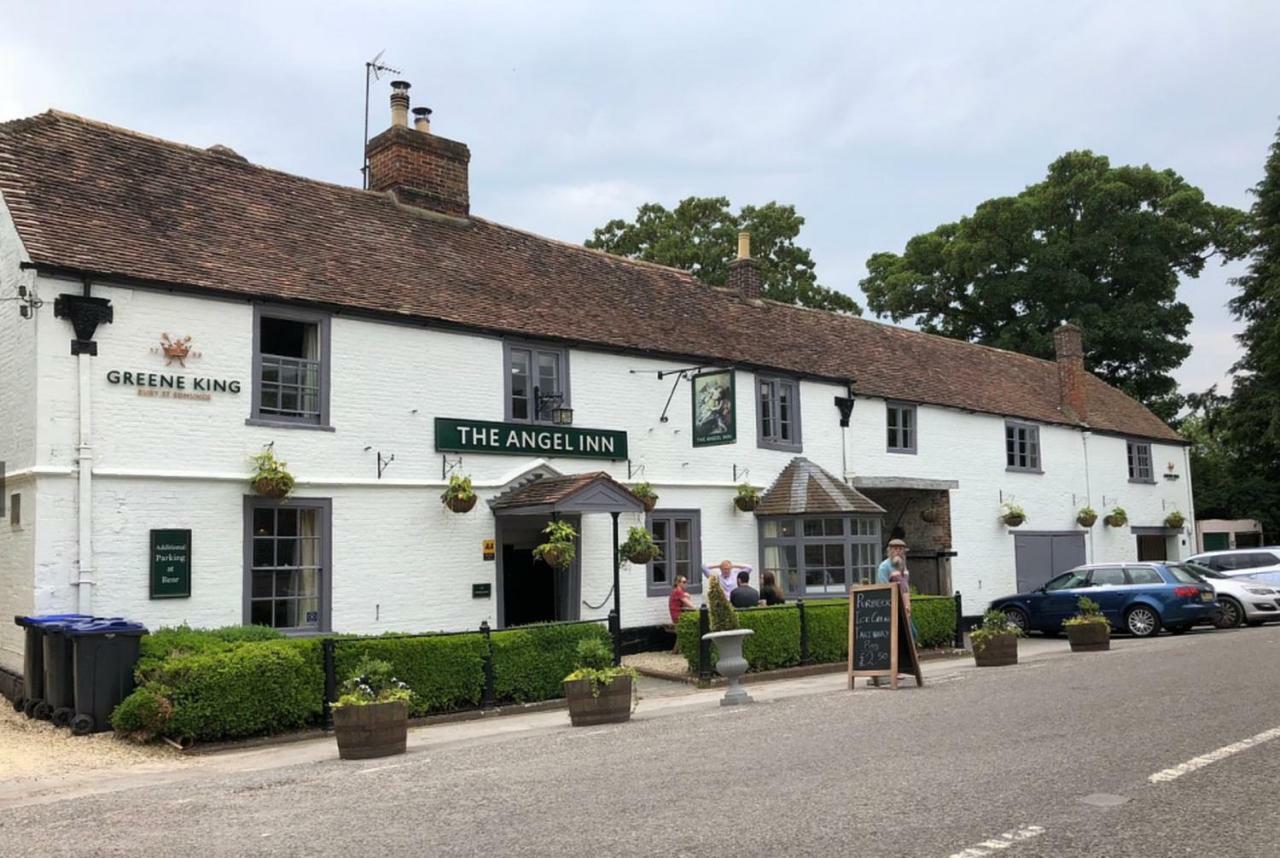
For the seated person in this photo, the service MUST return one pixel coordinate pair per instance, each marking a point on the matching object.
(744, 595)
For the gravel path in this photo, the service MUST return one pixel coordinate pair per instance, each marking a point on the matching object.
(31, 750)
(664, 661)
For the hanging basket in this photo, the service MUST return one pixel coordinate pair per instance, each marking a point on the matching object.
(269, 488)
(641, 557)
(1175, 520)
(649, 503)
(555, 556)
(458, 504)
(1116, 520)
(1086, 520)
(929, 516)
(1014, 520)
(746, 504)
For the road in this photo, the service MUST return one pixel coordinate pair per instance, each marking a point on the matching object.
(1052, 757)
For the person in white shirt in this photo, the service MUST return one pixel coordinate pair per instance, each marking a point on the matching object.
(726, 573)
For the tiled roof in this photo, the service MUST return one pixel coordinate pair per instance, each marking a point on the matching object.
(555, 491)
(804, 488)
(93, 197)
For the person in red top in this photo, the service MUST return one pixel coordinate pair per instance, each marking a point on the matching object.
(679, 601)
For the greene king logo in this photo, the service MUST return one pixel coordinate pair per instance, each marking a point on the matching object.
(175, 350)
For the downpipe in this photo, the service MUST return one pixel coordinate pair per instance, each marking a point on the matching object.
(84, 460)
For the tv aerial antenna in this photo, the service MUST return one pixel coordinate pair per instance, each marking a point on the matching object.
(373, 70)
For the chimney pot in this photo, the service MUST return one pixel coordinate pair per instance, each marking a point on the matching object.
(422, 119)
(744, 245)
(400, 103)
(1068, 346)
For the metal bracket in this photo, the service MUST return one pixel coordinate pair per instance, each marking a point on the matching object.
(447, 467)
(383, 463)
(740, 475)
(634, 471)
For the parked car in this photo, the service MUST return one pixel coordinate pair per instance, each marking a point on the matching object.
(1241, 598)
(1240, 561)
(1139, 598)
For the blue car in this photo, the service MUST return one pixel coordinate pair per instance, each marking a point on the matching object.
(1138, 598)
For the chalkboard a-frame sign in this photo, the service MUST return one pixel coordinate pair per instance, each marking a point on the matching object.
(880, 642)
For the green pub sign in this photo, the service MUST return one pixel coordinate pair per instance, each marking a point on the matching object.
(170, 564)
(524, 439)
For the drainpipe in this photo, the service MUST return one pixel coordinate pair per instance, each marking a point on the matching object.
(1191, 500)
(1088, 491)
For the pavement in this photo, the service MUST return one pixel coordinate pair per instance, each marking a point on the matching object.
(1159, 747)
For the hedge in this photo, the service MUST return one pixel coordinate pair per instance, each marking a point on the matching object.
(531, 662)
(184, 640)
(444, 672)
(776, 642)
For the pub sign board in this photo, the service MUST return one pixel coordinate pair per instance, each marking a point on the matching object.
(526, 439)
(170, 564)
(880, 641)
(715, 408)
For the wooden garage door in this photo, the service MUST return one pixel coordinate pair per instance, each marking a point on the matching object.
(1040, 556)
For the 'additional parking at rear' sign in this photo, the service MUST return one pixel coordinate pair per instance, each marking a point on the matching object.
(170, 564)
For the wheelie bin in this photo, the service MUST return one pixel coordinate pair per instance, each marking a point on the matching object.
(33, 658)
(104, 655)
(59, 691)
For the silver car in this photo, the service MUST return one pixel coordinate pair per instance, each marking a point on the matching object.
(1241, 598)
(1240, 561)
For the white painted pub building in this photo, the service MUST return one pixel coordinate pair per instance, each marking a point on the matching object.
(167, 312)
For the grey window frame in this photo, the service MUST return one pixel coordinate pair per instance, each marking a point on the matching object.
(653, 588)
(294, 314)
(253, 503)
(15, 510)
(891, 406)
(1033, 442)
(796, 444)
(849, 539)
(1132, 449)
(534, 347)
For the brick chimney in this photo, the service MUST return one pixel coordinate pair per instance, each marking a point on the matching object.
(1069, 348)
(744, 272)
(420, 168)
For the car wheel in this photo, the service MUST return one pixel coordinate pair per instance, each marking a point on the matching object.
(1142, 621)
(1018, 617)
(1230, 613)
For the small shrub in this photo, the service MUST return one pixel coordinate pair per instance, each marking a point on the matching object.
(1088, 613)
(994, 624)
(143, 715)
(724, 617)
(594, 654)
(372, 681)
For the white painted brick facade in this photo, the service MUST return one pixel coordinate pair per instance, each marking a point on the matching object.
(401, 561)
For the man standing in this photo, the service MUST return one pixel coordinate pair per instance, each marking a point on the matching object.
(893, 570)
(744, 595)
(724, 573)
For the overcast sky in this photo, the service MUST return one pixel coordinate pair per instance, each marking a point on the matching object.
(877, 120)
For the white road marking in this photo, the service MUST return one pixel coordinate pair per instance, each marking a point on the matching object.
(1000, 841)
(382, 768)
(1213, 756)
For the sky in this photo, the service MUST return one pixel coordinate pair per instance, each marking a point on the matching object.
(878, 121)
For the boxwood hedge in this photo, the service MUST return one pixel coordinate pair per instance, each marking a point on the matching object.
(531, 662)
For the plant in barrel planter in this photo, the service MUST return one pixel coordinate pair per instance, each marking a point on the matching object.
(1175, 520)
(1087, 516)
(1012, 514)
(270, 478)
(1117, 517)
(995, 642)
(371, 716)
(646, 494)
(597, 692)
(748, 498)
(728, 639)
(1088, 630)
(459, 496)
(560, 548)
(640, 547)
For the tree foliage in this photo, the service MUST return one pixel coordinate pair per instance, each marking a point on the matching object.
(700, 235)
(1093, 244)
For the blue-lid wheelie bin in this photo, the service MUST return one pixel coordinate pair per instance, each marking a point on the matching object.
(33, 657)
(104, 655)
(59, 689)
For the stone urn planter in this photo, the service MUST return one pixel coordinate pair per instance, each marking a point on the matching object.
(1089, 637)
(612, 705)
(996, 651)
(371, 730)
(730, 664)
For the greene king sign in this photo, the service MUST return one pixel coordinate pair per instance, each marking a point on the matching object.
(522, 439)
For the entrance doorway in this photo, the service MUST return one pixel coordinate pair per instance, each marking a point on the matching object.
(1152, 548)
(1040, 556)
(529, 590)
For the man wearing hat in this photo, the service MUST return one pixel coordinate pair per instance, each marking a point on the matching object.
(893, 570)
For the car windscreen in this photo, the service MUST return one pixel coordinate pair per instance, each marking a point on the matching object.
(1182, 574)
(1204, 571)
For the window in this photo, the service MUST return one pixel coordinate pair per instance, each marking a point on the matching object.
(1139, 453)
(537, 380)
(15, 509)
(288, 576)
(677, 533)
(290, 368)
(821, 556)
(1069, 581)
(1246, 560)
(1111, 576)
(1180, 574)
(777, 413)
(1022, 447)
(900, 423)
(1144, 575)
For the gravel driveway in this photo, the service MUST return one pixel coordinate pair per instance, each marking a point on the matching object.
(33, 750)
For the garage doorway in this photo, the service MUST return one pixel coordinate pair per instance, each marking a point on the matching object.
(1040, 556)
(1152, 548)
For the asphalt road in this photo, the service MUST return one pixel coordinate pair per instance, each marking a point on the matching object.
(1050, 758)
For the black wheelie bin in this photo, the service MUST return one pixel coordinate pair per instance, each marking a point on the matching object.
(33, 657)
(105, 652)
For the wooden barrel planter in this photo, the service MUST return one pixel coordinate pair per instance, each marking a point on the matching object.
(373, 730)
(1089, 637)
(457, 504)
(612, 706)
(997, 651)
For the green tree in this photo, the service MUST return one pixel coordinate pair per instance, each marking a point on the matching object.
(700, 235)
(1093, 244)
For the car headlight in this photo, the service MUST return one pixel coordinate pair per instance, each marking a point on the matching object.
(1261, 591)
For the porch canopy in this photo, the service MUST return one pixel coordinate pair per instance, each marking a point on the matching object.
(591, 492)
(805, 489)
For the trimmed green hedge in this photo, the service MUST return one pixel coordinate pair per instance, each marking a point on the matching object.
(776, 642)
(531, 662)
(444, 672)
(184, 640)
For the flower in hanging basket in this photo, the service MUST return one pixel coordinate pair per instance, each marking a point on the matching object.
(640, 547)
(1175, 520)
(1117, 518)
(748, 497)
(459, 496)
(559, 549)
(929, 515)
(646, 494)
(1012, 514)
(270, 478)
(1086, 516)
